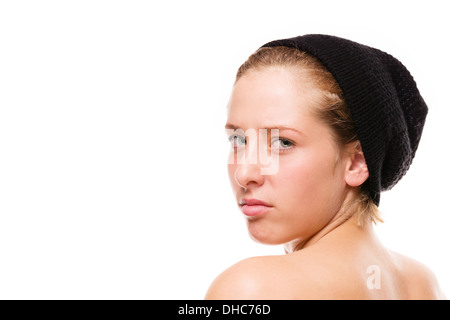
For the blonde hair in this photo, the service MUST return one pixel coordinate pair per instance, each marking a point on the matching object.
(333, 109)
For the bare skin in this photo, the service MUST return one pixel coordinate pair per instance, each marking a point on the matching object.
(334, 267)
(328, 255)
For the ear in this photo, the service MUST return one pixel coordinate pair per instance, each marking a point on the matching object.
(356, 170)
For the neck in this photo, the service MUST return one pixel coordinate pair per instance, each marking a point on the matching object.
(344, 223)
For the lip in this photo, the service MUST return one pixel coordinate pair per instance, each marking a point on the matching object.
(254, 207)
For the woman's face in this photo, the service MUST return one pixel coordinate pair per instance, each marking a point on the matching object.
(304, 193)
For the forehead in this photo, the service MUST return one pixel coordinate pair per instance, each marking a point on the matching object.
(271, 97)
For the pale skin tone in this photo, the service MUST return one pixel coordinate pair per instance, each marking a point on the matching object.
(327, 253)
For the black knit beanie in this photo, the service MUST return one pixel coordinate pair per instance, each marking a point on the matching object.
(384, 102)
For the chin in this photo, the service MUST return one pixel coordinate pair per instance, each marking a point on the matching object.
(263, 235)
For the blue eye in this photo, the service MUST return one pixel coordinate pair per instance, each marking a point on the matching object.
(237, 140)
(282, 144)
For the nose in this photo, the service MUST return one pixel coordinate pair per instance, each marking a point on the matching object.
(248, 175)
(248, 169)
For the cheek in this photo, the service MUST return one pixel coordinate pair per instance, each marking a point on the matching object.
(306, 199)
(309, 184)
(305, 173)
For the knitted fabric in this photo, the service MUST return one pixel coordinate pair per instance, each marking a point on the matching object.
(384, 102)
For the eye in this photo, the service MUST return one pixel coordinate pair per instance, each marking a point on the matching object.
(237, 140)
(281, 144)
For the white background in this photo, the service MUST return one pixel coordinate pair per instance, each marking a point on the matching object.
(113, 180)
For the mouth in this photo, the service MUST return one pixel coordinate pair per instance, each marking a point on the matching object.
(254, 207)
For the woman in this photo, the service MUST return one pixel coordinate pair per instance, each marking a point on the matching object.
(338, 122)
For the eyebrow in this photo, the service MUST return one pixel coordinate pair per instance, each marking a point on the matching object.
(232, 126)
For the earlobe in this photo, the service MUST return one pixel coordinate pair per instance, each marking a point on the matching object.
(356, 171)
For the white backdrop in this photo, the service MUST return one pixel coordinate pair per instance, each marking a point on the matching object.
(113, 179)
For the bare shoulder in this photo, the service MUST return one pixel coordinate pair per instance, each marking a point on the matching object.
(253, 278)
(273, 277)
(422, 282)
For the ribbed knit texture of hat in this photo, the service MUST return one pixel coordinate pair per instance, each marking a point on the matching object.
(384, 102)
